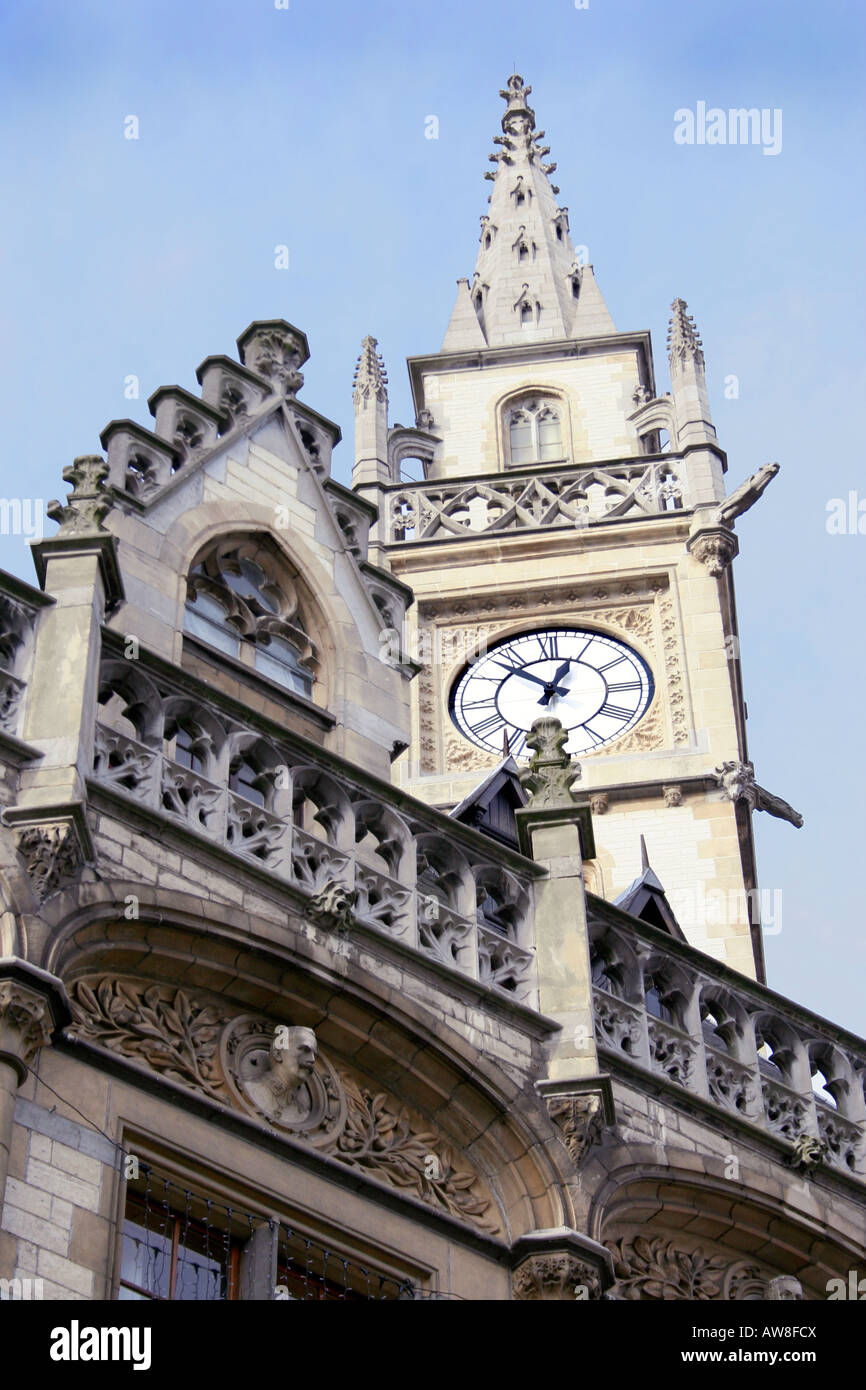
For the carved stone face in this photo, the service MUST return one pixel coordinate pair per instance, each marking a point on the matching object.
(293, 1056)
(785, 1289)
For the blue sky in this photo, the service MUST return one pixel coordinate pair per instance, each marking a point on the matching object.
(305, 127)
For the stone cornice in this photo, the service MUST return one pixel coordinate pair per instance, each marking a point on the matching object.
(532, 354)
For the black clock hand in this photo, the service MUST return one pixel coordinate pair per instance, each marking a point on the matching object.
(523, 675)
(560, 672)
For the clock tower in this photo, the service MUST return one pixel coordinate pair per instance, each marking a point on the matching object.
(564, 526)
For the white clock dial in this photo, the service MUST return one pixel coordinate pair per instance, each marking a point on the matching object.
(598, 687)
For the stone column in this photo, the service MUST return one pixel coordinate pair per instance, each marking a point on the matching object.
(33, 1005)
(78, 568)
(556, 830)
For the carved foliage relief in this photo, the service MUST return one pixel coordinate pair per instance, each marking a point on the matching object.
(235, 1060)
(451, 632)
(656, 1268)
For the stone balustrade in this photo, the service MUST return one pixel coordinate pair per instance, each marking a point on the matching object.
(669, 1009)
(19, 610)
(526, 499)
(283, 805)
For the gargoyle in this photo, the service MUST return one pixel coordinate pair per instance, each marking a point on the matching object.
(745, 496)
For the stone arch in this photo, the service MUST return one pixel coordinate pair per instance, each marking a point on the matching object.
(547, 395)
(192, 532)
(414, 1056)
(128, 696)
(501, 902)
(321, 808)
(444, 873)
(696, 1236)
(265, 770)
(384, 838)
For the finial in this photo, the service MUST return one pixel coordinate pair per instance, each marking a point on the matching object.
(370, 379)
(644, 857)
(683, 339)
(88, 504)
(551, 770)
(519, 116)
(276, 350)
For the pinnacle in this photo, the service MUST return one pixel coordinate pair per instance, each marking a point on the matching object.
(371, 378)
(683, 338)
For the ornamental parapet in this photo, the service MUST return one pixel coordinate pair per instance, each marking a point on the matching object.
(360, 852)
(704, 1030)
(532, 498)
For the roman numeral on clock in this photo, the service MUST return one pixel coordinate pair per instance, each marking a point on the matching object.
(549, 644)
(625, 685)
(488, 726)
(614, 711)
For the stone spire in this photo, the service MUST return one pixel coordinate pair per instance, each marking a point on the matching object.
(683, 339)
(528, 285)
(370, 395)
(370, 381)
(688, 379)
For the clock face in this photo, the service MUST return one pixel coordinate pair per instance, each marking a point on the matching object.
(598, 687)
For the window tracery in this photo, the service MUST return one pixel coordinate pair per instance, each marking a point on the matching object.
(535, 431)
(242, 601)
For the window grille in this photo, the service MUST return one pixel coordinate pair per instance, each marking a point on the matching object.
(180, 1245)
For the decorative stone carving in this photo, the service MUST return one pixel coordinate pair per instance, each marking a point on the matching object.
(683, 339)
(370, 381)
(581, 1120)
(381, 1137)
(785, 1289)
(275, 350)
(809, 1152)
(277, 1073)
(488, 505)
(456, 629)
(555, 1276)
(551, 772)
(25, 1024)
(164, 1028)
(331, 906)
(715, 548)
(599, 803)
(655, 1268)
(238, 1062)
(673, 796)
(745, 496)
(52, 855)
(737, 780)
(88, 504)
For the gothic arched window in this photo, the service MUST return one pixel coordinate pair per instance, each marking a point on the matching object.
(535, 432)
(242, 600)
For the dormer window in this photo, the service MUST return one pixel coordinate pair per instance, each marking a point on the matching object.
(242, 601)
(535, 432)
